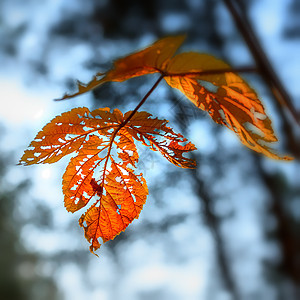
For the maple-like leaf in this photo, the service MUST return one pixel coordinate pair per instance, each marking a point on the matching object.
(159, 137)
(103, 167)
(204, 80)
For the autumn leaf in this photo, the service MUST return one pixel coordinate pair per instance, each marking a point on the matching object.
(101, 174)
(150, 60)
(206, 81)
(226, 97)
(168, 143)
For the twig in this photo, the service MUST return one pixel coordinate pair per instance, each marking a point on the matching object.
(142, 101)
(244, 69)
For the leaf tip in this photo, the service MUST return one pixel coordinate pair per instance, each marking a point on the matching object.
(287, 158)
(92, 249)
(64, 97)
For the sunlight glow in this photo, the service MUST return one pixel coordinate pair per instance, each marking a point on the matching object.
(46, 173)
(18, 105)
(39, 114)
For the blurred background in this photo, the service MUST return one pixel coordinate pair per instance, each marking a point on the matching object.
(227, 230)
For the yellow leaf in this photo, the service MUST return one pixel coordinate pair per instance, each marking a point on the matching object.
(225, 96)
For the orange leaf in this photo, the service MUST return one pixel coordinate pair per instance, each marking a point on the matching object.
(125, 196)
(226, 97)
(150, 60)
(155, 134)
(77, 179)
(101, 173)
(66, 133)
(207, 82)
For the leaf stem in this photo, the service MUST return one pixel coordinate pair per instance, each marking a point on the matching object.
(246, 69)
(142, 101)
(126, 121)
(208, 72)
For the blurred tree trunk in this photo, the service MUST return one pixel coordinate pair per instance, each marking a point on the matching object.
(286, 232)
(213, 222)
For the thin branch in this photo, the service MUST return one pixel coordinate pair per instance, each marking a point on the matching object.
(261, 58)
(246, 69)
(142, 101)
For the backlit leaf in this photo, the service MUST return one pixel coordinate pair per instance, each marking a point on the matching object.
(150, 60)
(226, 97)
(155, 134)
(207, 82)
(101, 175)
